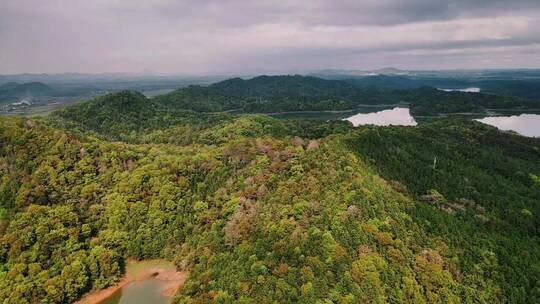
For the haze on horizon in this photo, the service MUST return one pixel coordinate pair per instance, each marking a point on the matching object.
(233, 36)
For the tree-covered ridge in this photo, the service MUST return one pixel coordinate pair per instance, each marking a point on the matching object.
(286, 87)
(265, 94)
(131, 117)
(504, 83)
(477, 188)
(428, 101)
(127, 115)
(461, 159)
(254, 220)
(13, 90)
(268, 94)
(200, 99)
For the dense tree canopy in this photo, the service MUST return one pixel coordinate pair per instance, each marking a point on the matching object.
(428, 101)
(486, 185)
(266, 210)
(267, 94)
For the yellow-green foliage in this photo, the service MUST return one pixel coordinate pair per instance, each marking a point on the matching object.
(255, 217)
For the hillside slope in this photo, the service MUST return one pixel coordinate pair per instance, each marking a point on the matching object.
(264, 220)
(265, 210)
(477, 188)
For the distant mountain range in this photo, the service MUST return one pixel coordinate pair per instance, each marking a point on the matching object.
(383, 71)
(331, 90)
(14, 90)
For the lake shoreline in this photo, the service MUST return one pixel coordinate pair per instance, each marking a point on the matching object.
(175, 280)
(487, 113)
(358, 107)
(99, 296)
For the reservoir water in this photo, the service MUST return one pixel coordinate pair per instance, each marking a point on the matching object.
(152, 281)
(467, 90)
(143, 292)
(396, 117)
(524, 124)
(329, 115)
(148, 281)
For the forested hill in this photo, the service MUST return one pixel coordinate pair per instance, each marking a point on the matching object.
(271, 94)
(527, 87)
(265, 94)
(126, 115)
(128, 110)
(287, 87)
(477, 189)
(14, 90)
(428, 101)
(131, 117)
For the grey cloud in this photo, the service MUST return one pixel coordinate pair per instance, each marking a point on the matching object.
(391, 12)
(232, 35)
(325, 12)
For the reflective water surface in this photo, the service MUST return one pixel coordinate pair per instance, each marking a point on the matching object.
(396, 116)
(143, 292)
(467, 90)
(149, 281)
(524, 124)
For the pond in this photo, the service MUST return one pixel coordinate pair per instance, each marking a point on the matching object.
(396, 116)
(150, 281)
(147, 291)
(524, 124)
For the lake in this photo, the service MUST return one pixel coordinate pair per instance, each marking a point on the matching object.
(467, 90)
(524, 124)
(397, 116)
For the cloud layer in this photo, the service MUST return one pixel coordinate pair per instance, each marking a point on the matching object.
(233, 36)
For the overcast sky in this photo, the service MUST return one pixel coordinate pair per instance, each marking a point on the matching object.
(242, 36)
